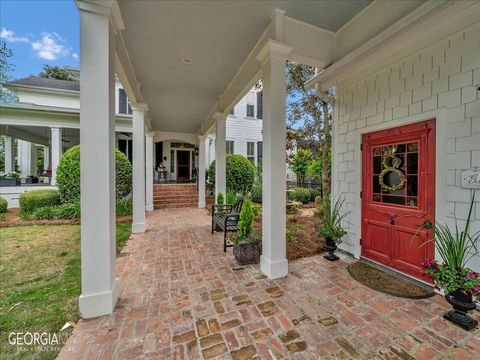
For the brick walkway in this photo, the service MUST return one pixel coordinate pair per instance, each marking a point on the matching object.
(182, 297)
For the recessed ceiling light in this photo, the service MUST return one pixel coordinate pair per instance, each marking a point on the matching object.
(187, 60)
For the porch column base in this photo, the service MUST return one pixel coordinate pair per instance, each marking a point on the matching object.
(138, 228)
(202, 205)
(100, 303)
(149, 207)
(274, 270)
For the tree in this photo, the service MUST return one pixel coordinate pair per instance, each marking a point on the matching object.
(6, 96)
(300, 164)
(311, 115)
(55, 72)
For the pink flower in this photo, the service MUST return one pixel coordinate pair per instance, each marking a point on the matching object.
(472, 275)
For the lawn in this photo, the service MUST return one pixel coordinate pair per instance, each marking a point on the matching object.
(40, 282)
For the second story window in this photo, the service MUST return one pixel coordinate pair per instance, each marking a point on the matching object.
(250, 110)
(123, 103)
(230, 147)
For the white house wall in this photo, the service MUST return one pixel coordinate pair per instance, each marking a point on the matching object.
(69, 100)
(439, 81)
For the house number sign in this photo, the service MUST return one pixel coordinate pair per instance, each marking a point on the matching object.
(471, 179)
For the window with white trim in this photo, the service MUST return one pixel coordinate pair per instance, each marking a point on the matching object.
(230, 147)
(250, 110)
(251, 151)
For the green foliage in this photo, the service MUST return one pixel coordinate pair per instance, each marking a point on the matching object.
(32, 200)
(301, 194)
(240, 174)
(6, 96)
(3, 205)
(56, 72)
(458, 247)
(300, 163)
(319, 209)
(245, 231)
(256, 193)
(124, 207)
(450, 279)
(314, 170)
(68, 175)
(231, 198)
(314, 193)
(68, 211)
(220, 199)
(259, 173)
(332, 221)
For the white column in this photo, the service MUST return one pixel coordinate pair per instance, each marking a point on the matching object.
(46, 157)
(273, 261)
(149, 164)
(27, 158)
(138, 224)
(220, 154)
(97, 151)
(57, 152)
(201, 172)
(9, 154)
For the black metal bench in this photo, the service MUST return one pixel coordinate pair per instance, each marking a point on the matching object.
(225, 218)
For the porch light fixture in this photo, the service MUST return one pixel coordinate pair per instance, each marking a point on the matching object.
(187, 61)
(196, 150)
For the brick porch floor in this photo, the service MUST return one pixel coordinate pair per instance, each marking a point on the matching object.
(182, 297)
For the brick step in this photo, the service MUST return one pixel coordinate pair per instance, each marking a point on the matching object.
(173, 206)
(175, 202)
(179, 193)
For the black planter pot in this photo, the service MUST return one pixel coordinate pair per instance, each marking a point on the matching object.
(247, 253)
(331, 246)
(462, 304)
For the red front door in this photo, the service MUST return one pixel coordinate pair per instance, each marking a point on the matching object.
(398, 196)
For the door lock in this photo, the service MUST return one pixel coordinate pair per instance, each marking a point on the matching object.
(392, 221)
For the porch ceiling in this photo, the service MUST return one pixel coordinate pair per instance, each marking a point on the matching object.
(217, 36)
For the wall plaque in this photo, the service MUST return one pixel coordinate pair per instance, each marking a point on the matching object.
(471, 179)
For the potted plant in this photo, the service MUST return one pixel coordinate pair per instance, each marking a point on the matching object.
(245, 248)
(332, 229)
(9, 179)
(459, 283)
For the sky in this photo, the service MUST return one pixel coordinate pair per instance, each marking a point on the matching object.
(40, 32)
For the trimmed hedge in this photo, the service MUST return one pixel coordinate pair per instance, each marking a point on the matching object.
(256, 193)
(240, 174)
(300, 194)
(33, 200)
(314, 193)
(68, 175)
(3, 205)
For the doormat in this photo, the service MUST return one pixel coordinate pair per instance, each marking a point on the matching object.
(386, 282)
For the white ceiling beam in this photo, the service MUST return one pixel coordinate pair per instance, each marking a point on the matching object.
(23, 135)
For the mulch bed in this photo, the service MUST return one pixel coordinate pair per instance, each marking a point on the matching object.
(304, 229)
(12, 219)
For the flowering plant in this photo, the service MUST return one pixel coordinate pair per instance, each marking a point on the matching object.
(456, 248)
(451, 280)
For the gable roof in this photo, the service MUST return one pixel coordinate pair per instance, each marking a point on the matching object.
(39, 82)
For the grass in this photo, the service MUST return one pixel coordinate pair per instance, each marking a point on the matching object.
(40, 282)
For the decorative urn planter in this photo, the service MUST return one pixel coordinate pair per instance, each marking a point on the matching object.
(331, 246)
(246, 253)
(462, 303)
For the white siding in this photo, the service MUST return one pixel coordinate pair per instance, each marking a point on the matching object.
(439, 81)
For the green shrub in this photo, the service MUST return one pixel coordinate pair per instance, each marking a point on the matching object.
(300, 194)
(231, 197)
(45, 213)
(32, 200)
(68, 211)
(220, 199)
(124, 207)
(68, 175)
(240, 174)
(319, 209)
(3, 205)
(314, 193)
(256, 193)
